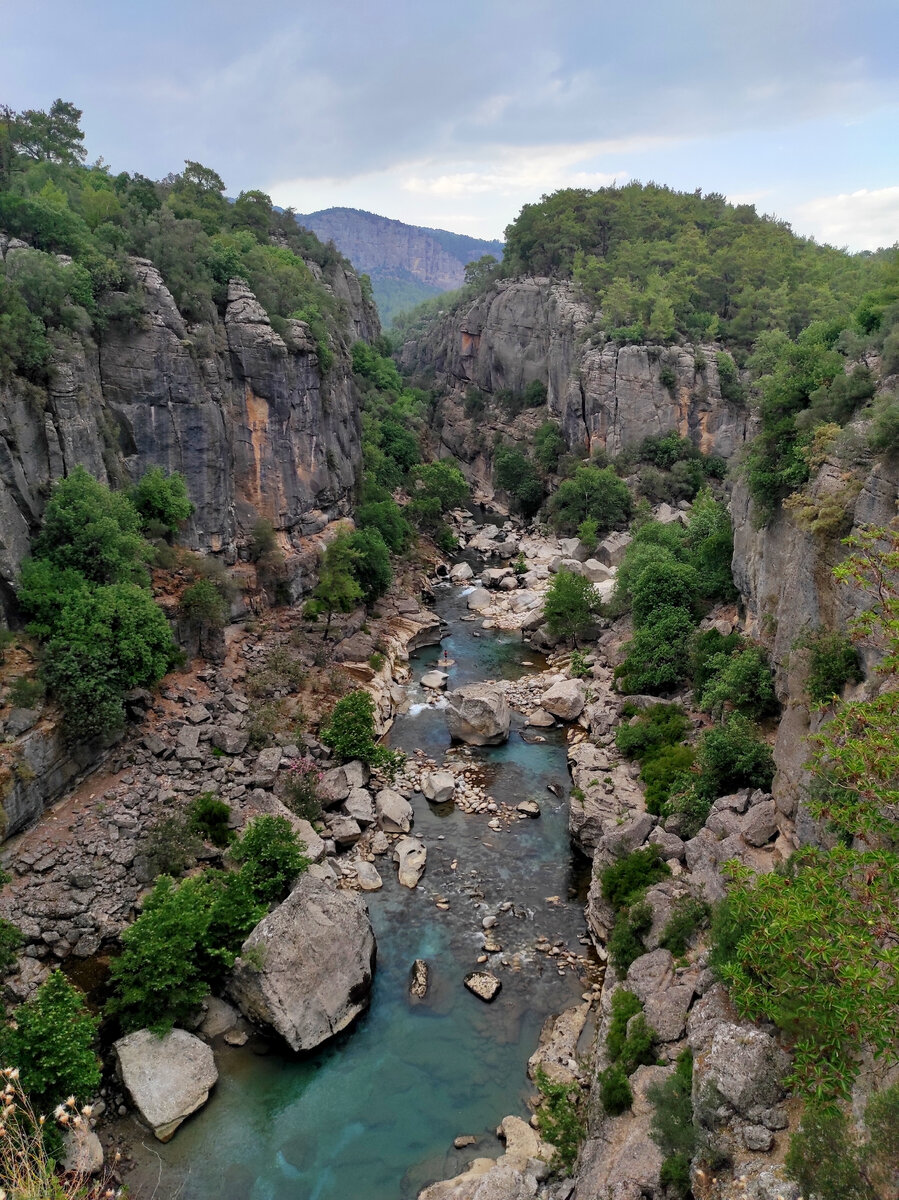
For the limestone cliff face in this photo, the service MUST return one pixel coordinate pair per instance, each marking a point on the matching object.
(603, 395)
(247, 416)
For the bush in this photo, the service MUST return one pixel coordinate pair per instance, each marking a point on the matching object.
(570, 605)
(271, 858)
(162, 499)
(625, 880)
(387, 518)
(703, 651)
(210, 818)
(672, 1128)
(203, 604)
(832, 663)
(184, 941)
(549, 443)
(350, 733)
(263, 540)
(25, 692)
(729, 379)
(650, 730)
(629, 1041)
(626, 940)
(578, 667)
(688, 917)
(560, 1120)
(733, 756)
(519, 477)
(614, 1091)
(664, 772)
(371, 563)
(624, 1006)
(171, 846)
(592, 492)
(10, 943)
(588, 533)
(742, 681)
(301, 794)
(667, 586)
(52, 1044)
(658, 657)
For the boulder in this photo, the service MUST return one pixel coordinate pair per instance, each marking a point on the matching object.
(564, 700)
(745, 1065)
(596, 572)
(438, 786)
(478, 714)
(306, 969)
(334, 786)
(83, 1154)
(483, 985)
(479, 599)
(359, 806)
(528, 808)
(229, 740)
(167, 1078)
(610, 550)
(344, 830)
(394, 811)
(266, 768)
(219, 1017)
(759, 825)
(411, 857)
(435, 680)
(541, 719)
(419, 979)
(461, 572)
(367, 876)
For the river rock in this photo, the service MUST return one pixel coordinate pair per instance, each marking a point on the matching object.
(219, 1017)
(411, 856)
(359, 806)
(483, 985)
(306, 969)
(478, 714)
(394, 811)
(541, 719)
(367, 875)
(479, 599)
(528, 808)
(438, 786)
(564, 700)
(167, 1078)
(419, 979)
(461, 572)
(344, 830)
(435, 680)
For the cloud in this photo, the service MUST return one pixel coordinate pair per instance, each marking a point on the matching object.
(862, 220)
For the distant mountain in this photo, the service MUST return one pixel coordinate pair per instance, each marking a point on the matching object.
(406, 263)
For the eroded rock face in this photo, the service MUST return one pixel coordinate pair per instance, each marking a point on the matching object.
(167, 1078)
(478, 715)
(306, 969)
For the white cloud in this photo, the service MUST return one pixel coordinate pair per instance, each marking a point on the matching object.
(862, 220)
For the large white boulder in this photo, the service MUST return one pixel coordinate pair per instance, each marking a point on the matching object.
(394, 811)
(167, 1078)
(438, 786)
(411, 857)
(306, 969)
(564, 700)
(478, 714)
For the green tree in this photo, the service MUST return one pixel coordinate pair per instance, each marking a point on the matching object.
(592, 492)
(350, 732)
(52, 1044)
(658, 658)
(271, 858)
(371, 565)
(337, 589)
(161, 499)
(571, 605)
(441, 481)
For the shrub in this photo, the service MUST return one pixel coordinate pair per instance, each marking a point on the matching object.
(650, 730)
(441, 481)
(615, 1091)
(729, 379)
(667, 586)
(387, 518)
(10, 942)
(592, 492)
(690, 804)
(25, 692)
(664, 772)
(350, 732)
(624, 1006)
(625, 880)
(626, 940)
(570, 605)
(203, 603)
(162, 499)
(263, 723)
(560, 1119)
(301, 793)
(171, 846)
(548, 445)
(52, 1044)
(672, 1128)
(884, 432)
(210, 818)
(184, 941)
(263, 540)
(742, 681)
(674, 1174)
(271, 858)
(518, 476)
(578, 666)
(371, 564)
(658, 657)
(703, 651)
(832, 663)
(688, 916)
(733, 756)
(588, 533)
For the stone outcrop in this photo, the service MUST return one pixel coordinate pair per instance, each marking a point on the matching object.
(478, 714)
(168, 1078)
(247, 416)
(306, 969)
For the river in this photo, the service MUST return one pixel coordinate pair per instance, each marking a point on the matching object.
(373, 1115)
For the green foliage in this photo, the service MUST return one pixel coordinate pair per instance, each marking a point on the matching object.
(614, 1090)
(171, 845)
(884, 432)
(670, 586)
(809, 948)
(337, 589)
(440, 481)
(672, 1127)
(578, 666)
(204, 604)
(371, 563)
(707, 648)
(627, 879)
(25, 692)
(571, 605)
(549, 444)
(263, 539)
(591, 493)
(827, 1160)
(733, 756)
(10, 943)
(387, 518)
(271, 858)
(588, 533)
(626, 940)
(729, 379)
(650, 730)
(665, 772)
(52, 1044)
(210, 818)
(518, 476)
(832, 663)
(688, 917)
(351, 730)
(742, 682)
(674, 1174)
(560, 1119)
(162, 499)
(184, 941)
(658, 657)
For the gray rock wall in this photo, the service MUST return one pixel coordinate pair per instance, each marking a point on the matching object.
(247, 416)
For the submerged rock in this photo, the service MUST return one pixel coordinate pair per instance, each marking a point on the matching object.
(419, 979)
(306, 969)
(167, 1078)
(478, 714)
(483, 985)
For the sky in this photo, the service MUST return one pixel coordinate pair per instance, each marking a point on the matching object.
(454, 115)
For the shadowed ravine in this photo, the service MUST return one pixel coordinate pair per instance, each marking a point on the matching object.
(373, 1116)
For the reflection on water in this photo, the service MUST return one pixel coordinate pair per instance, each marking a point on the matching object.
(373, 1115)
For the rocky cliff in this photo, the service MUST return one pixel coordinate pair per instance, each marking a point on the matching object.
(604, 395)
(248, 416)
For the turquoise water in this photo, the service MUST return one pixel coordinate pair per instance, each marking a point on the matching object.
(373, 1115)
